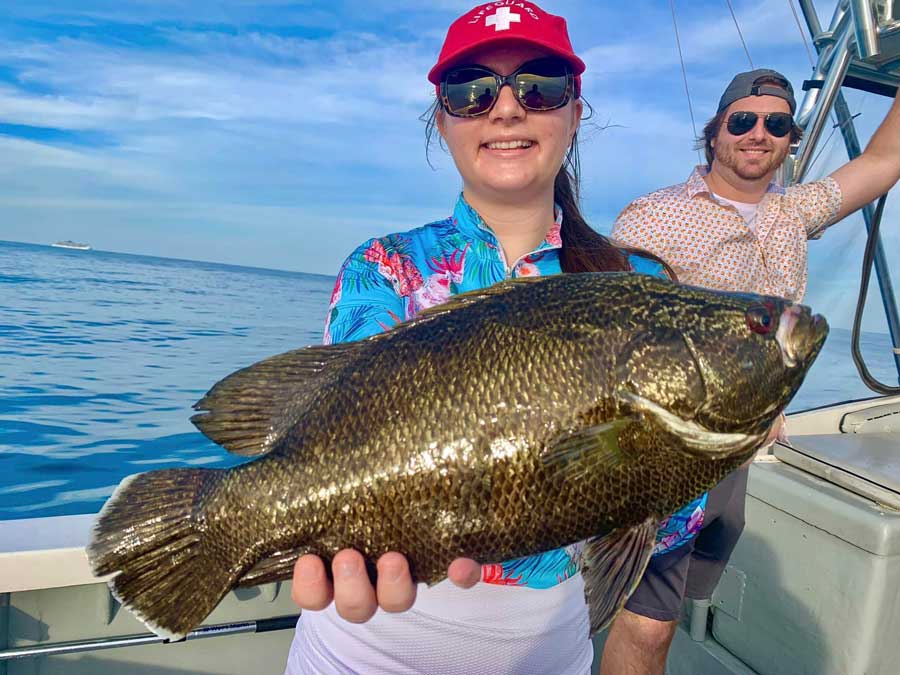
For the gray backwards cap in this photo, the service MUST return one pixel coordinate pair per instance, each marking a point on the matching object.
(744, 84)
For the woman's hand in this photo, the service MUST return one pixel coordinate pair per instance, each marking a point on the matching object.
(776, 432)
(355, 598)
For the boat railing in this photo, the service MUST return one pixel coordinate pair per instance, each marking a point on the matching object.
(859, 49)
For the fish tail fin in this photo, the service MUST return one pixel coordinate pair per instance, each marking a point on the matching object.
(167, 570)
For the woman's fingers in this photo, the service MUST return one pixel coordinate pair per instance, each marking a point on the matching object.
(776, 431)
(354, 597)
(310, 587)
(395, 588)
(464, 572)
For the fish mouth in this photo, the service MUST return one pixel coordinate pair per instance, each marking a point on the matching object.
(786, 325)
(800, 335)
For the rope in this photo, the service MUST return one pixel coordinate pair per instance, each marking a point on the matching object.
(740, 34)
(684, 74)
(812, 62)
(824, 146)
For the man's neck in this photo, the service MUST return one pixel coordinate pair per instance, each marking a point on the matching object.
(725, 183)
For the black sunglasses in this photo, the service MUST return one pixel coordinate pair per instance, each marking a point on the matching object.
(542, 84)
(776, 123)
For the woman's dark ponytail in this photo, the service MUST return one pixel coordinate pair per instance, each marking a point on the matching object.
(583, 248)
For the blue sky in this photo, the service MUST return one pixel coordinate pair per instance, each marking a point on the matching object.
(283, 133)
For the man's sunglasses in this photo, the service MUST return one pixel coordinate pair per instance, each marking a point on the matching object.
(778, 124)
(542, 84)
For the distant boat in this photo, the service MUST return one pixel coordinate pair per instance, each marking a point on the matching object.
(72, 244)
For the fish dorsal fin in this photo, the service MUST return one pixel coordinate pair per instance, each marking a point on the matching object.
(588, 448)
(613, 567)
(244, 412)
(461, 300)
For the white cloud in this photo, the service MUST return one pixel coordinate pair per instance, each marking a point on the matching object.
(249, 130)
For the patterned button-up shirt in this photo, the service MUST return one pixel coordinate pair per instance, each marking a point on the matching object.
(708, 243)
(390, 279)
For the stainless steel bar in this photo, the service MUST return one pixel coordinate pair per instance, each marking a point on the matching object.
(812, 19)
(824, 103)
(882, 270)
(865, 28)
(216, 630)
(826, 48)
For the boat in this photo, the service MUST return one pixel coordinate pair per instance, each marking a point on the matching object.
(813, 586)
(71, 244)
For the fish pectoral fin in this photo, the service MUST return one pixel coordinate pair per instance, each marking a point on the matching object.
(591, 447)
(251, 409)
(276, 567)
(613, 567)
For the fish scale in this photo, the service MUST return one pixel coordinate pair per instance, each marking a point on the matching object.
(509, 421)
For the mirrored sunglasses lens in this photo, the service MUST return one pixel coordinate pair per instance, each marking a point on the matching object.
(539, 92)
(469, 91)
(542, 84)
(740, 123)
(779, 124)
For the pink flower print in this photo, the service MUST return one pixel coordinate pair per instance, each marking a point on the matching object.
(526, 269)
(337, 290)
(411, 278)
(695, 523)
(397, 268)
(436, 288)
(376, 253)
(494, 574)
(554, 235)
(452, 265)
(434, 291)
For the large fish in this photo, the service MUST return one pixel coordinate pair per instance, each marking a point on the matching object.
(506, 422)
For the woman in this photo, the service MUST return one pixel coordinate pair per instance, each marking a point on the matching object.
(508, 108)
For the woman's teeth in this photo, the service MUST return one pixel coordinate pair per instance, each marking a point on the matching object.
(509, 145)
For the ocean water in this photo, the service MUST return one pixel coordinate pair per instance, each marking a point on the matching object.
(103, 354)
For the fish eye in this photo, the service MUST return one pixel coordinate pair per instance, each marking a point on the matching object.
(761, 318)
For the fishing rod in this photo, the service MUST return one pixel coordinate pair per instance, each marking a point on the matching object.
(215, 630)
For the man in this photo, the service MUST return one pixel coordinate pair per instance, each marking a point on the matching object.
(730, 227)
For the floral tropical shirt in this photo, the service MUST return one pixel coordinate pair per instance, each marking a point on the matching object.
(390, 279)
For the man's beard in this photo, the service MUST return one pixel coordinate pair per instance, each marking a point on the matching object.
(731, 158)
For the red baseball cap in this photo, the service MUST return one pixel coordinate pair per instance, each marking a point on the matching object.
(506, 22)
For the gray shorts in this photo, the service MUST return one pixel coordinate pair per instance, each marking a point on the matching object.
(693, 570)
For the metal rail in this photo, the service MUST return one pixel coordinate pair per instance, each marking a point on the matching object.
(216, 630)
(852, 36)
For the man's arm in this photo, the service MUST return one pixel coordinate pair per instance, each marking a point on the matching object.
(876, 170)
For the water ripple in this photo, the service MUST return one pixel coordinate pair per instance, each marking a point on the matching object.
(102, 356)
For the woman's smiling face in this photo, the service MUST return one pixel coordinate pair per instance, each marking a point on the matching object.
(510, 152)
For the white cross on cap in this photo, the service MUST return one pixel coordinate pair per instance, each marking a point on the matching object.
(502, 19)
